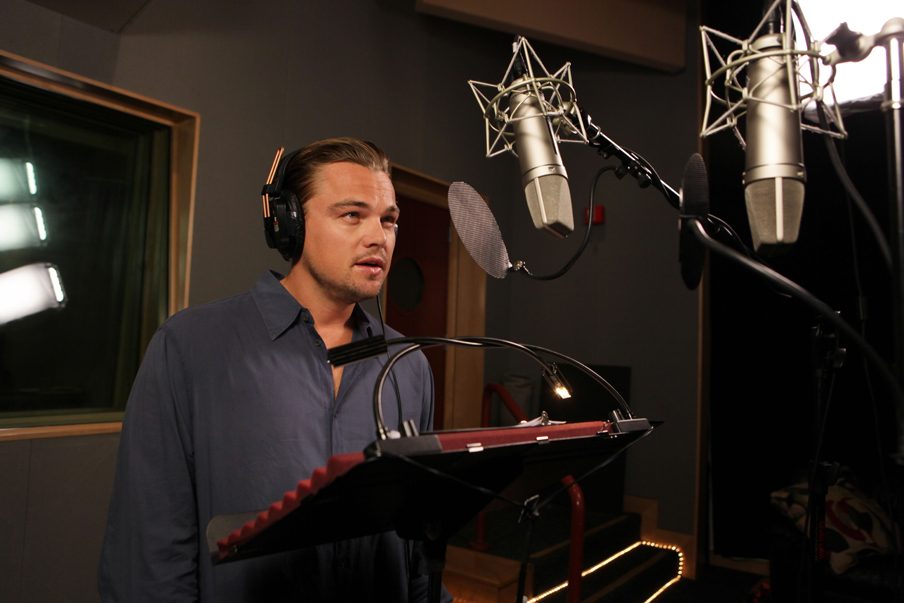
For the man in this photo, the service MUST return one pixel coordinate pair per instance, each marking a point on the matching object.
(235, 403)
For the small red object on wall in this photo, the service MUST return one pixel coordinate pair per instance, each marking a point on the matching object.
(599, 214)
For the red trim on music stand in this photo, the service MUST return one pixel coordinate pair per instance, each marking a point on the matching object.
(337, 466)
(460, 440)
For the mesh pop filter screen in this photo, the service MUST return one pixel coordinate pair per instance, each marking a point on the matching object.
(478, 229)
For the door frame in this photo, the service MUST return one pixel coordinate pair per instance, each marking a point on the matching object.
(466, 306)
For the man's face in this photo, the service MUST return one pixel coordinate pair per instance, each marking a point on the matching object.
(349, 232)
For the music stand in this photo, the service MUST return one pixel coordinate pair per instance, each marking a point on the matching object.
(425, 488)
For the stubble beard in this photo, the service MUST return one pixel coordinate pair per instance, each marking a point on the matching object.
(343, 290)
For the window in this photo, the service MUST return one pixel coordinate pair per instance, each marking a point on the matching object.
(95, 210)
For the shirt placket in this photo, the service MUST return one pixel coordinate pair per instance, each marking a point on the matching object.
(319, 352)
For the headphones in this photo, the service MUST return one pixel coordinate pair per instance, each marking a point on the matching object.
(283, 214)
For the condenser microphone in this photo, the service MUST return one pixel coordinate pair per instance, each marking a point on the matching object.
(774, 173)
(543, 174)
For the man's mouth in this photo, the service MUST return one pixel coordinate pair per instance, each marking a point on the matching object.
(371, 265)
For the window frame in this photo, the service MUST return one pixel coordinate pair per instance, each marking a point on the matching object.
(185, 130)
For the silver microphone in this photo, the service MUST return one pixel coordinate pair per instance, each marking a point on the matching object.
(528, 114)
(774, 174)
(543, 174)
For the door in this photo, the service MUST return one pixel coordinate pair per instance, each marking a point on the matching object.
(417, 288)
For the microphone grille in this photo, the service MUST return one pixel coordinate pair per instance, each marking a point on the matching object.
(549, 202)
(774, 210)
(478, 229)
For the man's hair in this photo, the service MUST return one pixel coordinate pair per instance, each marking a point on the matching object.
(302, 170)
(304, 167)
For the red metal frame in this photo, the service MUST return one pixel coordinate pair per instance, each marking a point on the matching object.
(576, 548)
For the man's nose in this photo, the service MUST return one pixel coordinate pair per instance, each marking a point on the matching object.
(376, 233)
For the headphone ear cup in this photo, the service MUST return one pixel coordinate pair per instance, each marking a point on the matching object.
(284, 219)
(297, 217)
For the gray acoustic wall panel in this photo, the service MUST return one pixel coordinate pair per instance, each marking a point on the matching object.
(14, 458)
(69, 484)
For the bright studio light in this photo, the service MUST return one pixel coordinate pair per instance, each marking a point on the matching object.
(32, 181)
(557, 381)
(28, 290)
(17, 180)
(854, 80)
(21, 225)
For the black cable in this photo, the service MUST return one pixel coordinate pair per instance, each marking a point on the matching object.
(521, 268)
(471, 341)
(721, 224)
(833, 152)
(807, 551)
(532, 351)
(589, 371)
(852, 190)
(788, 286)
(395, 381)
(497, 342)
(419, 342)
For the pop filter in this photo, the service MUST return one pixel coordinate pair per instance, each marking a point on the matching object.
(694, 206)
(478, 229)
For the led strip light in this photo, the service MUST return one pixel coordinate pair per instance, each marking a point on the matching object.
(589, 571)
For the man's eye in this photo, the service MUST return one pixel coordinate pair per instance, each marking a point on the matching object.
(351, 214)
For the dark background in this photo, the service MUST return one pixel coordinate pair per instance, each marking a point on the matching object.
(762, 390)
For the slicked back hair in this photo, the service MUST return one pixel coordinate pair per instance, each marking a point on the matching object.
(303, 169)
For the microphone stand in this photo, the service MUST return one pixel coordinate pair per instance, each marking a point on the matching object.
(892, 38)
(853, 46)
(827, 355)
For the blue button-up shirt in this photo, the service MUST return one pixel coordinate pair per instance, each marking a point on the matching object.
(233, 405)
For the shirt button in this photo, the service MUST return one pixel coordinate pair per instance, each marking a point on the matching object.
(317, 342)
(305, 317)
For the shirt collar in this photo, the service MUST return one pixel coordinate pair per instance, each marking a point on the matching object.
(363, 325)
(280, 309)
(277, 306)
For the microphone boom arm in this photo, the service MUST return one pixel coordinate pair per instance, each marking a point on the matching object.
(794, 290)
(631, 163)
